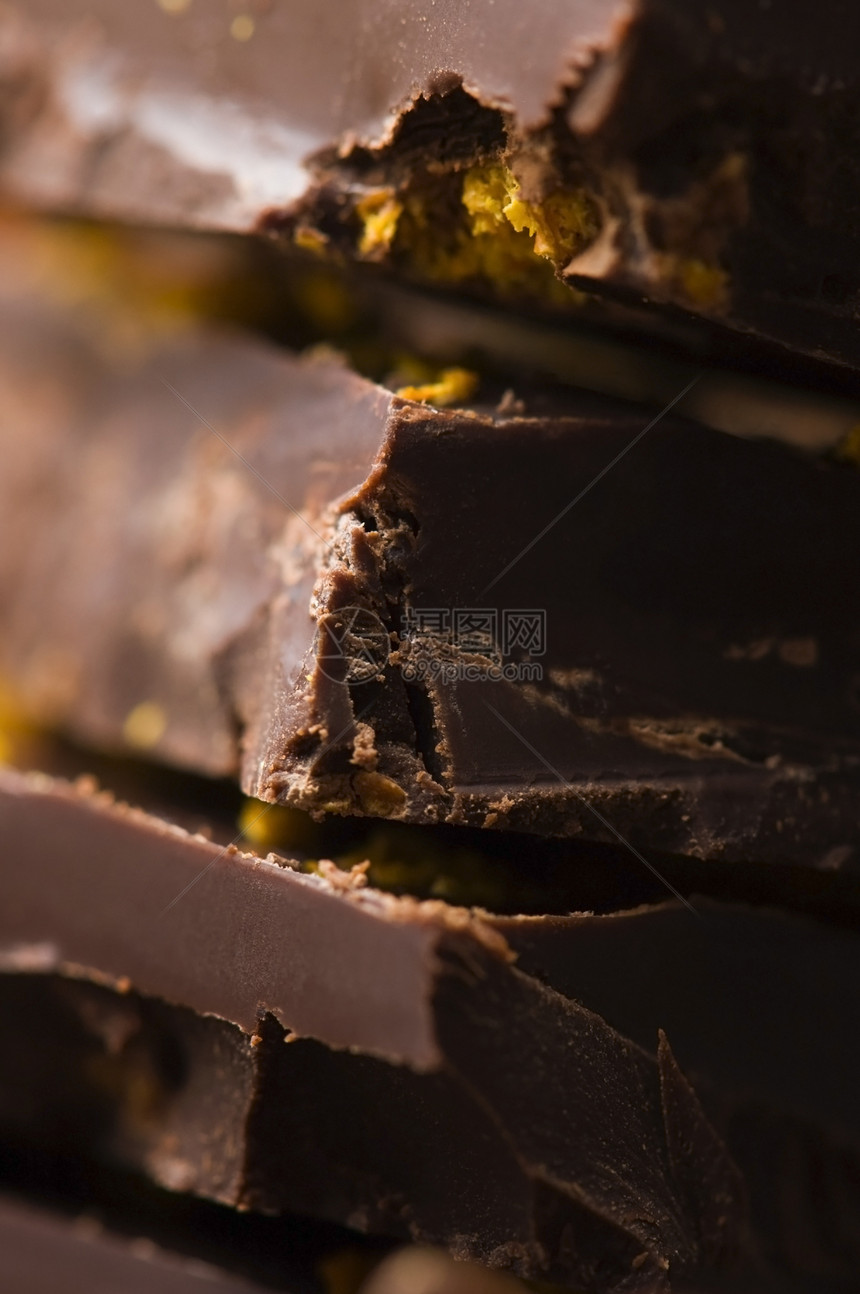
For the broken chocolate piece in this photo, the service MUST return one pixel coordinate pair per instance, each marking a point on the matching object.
(693, 154)
(366, 605)
(188, 893)
(96, 1213)
(350, 970)
(576, 1169)
(745, 993)
(229, 934)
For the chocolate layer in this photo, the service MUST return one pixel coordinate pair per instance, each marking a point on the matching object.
(227, 933)
(222, 554)
(515, 1168)
(697, 154)
(45, 1250)
(42, 1251)
(230, 934)
(112, 1223)
(759, 1005)
(754, 1000)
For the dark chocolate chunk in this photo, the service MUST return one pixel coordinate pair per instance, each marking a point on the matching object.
(745, 994)
(758, 1006)
(697, 154)
(45, 1250)
(750, 997)
(577, 1168)
(72, 1197)
(374, 606)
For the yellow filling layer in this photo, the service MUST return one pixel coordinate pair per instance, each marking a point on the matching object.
(401, 859)
(705, 285)
(492, 233)
(379, 214)
(453, 386)
(560, 226)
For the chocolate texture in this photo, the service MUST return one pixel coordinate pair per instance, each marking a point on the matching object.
(242, 546)
(471, 613)
(699, 155)
(227, 933)
(46, 1250)
(412, 1021)
(189, 893)
(201, 1107)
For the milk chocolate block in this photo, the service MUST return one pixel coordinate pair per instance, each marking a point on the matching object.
(252, 564)
(699, 155)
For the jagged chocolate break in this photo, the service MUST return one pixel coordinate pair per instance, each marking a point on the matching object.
(237, 561)
(594, 1166)
(227, 933)
(411, 1020)
(697, 154)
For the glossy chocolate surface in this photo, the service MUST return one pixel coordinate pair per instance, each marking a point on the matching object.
(277, 1124)
(242, 543)
(715, 140)
(410, 1009)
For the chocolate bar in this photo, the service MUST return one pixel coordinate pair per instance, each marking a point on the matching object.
(693, 155)
(106, 1230)
(391, 1006)
(227, 933)
(541, 619)
(530, 635)
(534, 1180)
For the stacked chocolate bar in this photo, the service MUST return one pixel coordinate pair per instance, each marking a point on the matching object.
(430, 520)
